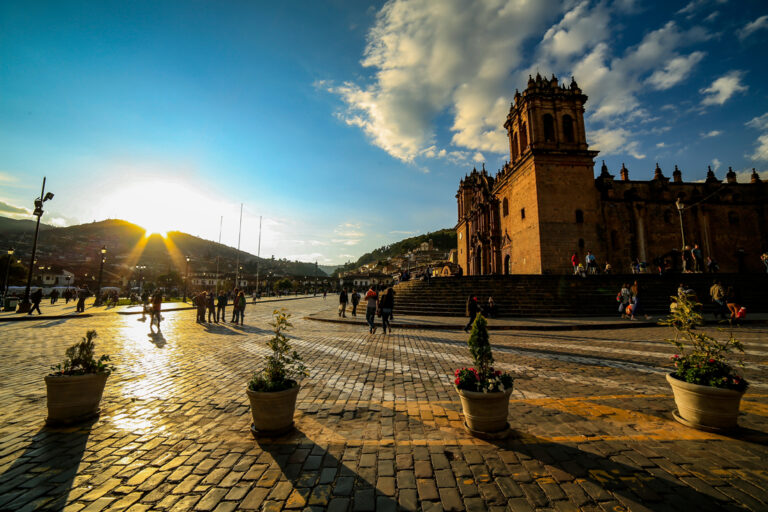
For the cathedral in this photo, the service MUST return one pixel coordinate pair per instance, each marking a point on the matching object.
(546, 203)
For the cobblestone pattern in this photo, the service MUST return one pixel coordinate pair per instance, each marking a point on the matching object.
(379, 425)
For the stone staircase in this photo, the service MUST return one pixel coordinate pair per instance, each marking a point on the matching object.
(565, 295)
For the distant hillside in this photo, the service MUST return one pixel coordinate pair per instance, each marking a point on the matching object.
(78, 247)
(445, 240)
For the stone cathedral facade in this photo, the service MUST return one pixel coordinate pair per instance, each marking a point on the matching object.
(545, 203)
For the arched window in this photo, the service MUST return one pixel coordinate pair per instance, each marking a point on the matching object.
(523, 137)
(579, 217)
(522, 213)
(514, 147)
(505, 207)
(549, 128)
(568, 128)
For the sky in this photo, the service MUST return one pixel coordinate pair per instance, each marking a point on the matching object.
(347, 125)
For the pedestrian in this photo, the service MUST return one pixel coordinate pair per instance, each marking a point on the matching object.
(221, 307)
(624, 297)
(608, 268)
(387, 305)
(36, 297)
(82, 294)
(241, 306)
(712, 266)
(54, 296)
(429, 274)
(575, 263)
(325, 294)
(636, 308)
(343, 299)
(764, 259)
(235, 309)
(372, 299)
(472, 308)
(733, 302)
(491, 311)
(157, 304)
(591, 263)
(698, 258)
(211, 305)
(355, 301)
(201, 301)
(717, 294)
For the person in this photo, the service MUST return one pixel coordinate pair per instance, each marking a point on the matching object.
(200, 302)
(575, 263)
(717, 294)
(211, 307)
(591, 263)
(343, 299)
(636, 266)
(608, 268)
(387, 304)
(82, 294)
(157, 304)
(698, 258)
(733, 302)
(472, 309)
(241, 306)
(687, 259)
(428, 274)
(355, 301)
(54, 296)
(624, 297)
(372, 299)
(325, 294)
(66, 295)
(764, 259)
(491, 307)
(636, 307)
(36, 297)
(235, 309)
(144, 305)
(221, 307)
(712, 266)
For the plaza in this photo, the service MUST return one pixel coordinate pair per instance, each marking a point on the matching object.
(378, 422)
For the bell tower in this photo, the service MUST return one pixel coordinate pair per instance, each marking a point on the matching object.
(549, 181)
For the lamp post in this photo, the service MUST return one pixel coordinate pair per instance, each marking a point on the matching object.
(680, 207)
(25, 305)
(186, 279)
(140, 268)
(7, 272)
(103, 256)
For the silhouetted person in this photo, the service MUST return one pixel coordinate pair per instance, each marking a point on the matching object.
(472, 308)
(221, 307)
(36, 297)
(355, 301)
(211, 305)
(157, 304)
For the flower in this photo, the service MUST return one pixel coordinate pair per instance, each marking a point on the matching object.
(711, 360)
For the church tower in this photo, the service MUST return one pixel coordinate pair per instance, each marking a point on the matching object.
(549, 206)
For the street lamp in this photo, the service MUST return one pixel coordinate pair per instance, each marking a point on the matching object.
(25, 305)
(680, 207)
(186, 279)
(7, 271)
(140, 268)
(103, 256)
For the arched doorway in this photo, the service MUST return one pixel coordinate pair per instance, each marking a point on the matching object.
(506, 264)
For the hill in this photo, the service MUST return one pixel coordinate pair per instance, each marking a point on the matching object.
(78, 248)
(444, 239)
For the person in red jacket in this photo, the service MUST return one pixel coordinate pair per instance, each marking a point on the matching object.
(575, 262)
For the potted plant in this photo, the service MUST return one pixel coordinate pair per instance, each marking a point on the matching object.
(75, 387)
(706, 388)
(484, 392)
(273, 389)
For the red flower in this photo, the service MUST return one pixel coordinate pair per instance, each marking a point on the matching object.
(457, 381)
(675, 357)
(711, 360)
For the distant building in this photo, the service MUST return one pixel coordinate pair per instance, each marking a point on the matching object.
(545, 204)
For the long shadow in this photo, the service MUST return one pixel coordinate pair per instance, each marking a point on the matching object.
(43, 475)
(320, 479)
(157, 339)
(50, 323)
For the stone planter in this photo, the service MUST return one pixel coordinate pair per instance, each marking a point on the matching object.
(74, 398)
(272, 411)
(705, 407)
(485, 414)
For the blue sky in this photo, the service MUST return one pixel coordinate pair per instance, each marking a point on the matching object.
(347, 125)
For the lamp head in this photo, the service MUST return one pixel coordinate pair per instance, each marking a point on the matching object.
(103, 249)
(48, 196)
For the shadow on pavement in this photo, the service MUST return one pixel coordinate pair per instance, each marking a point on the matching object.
(157, 339)
(43, 475)
(320, 479)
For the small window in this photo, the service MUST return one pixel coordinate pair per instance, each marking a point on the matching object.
(579, 217)
(505, 207)
(568, 128)
(549, 128)
(514, 146)
(522, 213)
(733, 218)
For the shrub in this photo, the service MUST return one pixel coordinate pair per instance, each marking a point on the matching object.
(284, 366)
(482, 377)
(81, 361)
(701, 359)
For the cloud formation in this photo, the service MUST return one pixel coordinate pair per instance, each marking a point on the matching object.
(723, 88)
(752, 27)
(9, 208)
(711, 133)
(761, 145)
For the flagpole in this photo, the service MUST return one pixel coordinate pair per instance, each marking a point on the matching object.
(218, 255)
(258, 256)
(237, 265)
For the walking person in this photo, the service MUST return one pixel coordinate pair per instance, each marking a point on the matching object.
(636, 308)
(355, 301)
(54, 296)
(491, 308)
(733, 302)
(624, 297)
(241, 306)
(387, 305)
(82, 294)
(717, 293)
(575, 263)
(201, 301)
(221, 307)
(343, 299)
(591, 263)
(157, 304)
(36, 297)
(372, 299)
(211, 305)
(235, 309)
(472, 308)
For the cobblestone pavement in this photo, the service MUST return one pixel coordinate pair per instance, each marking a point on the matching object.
(379, 425)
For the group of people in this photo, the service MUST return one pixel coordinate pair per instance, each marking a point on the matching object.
(727, 303)
(376, 304)
(216, 306)
(579, 269)
(629, 301)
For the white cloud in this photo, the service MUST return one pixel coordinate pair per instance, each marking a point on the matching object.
(750, 28)
(675, 71)
(433, 57)
(759, 123)
(661, 145)
(716, 163)
(761, 145)
(723, 88)
(580, 28)
(712, 16)
(711, 133)
(614, 141)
